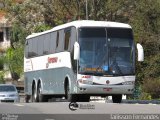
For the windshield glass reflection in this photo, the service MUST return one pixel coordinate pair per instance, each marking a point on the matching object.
(106, 51)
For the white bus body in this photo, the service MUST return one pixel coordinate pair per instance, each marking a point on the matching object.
(80, 59)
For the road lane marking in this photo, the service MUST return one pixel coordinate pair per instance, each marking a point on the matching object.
(152, 104)
(19, 105)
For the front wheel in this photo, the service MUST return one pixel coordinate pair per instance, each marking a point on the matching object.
(117, 98)
(70, 97)
(83, 98)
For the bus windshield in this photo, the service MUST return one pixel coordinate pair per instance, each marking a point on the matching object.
(106, 51)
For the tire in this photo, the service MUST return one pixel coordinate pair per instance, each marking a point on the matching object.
(34, 94)
(41, 98)
(70, 97)
(27, 98)
(117, 98)
(83, 98)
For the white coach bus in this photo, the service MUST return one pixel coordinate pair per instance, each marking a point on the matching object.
(81, 59)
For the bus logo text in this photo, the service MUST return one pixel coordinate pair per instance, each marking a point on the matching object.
(52, 60)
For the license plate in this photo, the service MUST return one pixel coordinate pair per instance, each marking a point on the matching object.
(7, 98)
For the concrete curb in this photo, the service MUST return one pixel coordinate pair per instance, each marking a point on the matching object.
(141, 101)
(137, 101)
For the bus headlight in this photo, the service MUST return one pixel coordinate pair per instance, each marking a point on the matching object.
(85, 82)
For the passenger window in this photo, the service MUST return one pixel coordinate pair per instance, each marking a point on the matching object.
(30, 48)
(26, 49)
(57, 40)
(46, 44)
(67, 39)
(40, 46)
(53, 42)
(34, 47)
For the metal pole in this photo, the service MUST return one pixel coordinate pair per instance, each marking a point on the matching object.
(86, 10)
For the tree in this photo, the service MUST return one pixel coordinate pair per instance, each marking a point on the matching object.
(13, 60)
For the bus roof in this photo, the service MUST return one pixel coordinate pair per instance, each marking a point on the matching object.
(83, 23)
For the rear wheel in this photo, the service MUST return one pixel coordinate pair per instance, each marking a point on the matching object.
(34, 94)
(41, 98)
(117, 98)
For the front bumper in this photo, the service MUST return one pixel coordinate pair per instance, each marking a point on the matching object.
(9, 99)
(104, 89)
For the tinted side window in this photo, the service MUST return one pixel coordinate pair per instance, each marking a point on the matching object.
(34, 47)
(53, 42)
(60, 47)
(40, 45)
(26, 48)
(57, 39)
(46, 44)
(73, 38)
(67, 39)
(30, 48)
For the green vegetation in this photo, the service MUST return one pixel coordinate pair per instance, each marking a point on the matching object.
(1, 77)
(143, 15)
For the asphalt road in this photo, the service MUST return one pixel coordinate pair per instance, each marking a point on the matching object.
(90, 110)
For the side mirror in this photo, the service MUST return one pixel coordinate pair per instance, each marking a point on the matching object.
(140, 52)
(76, 51)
